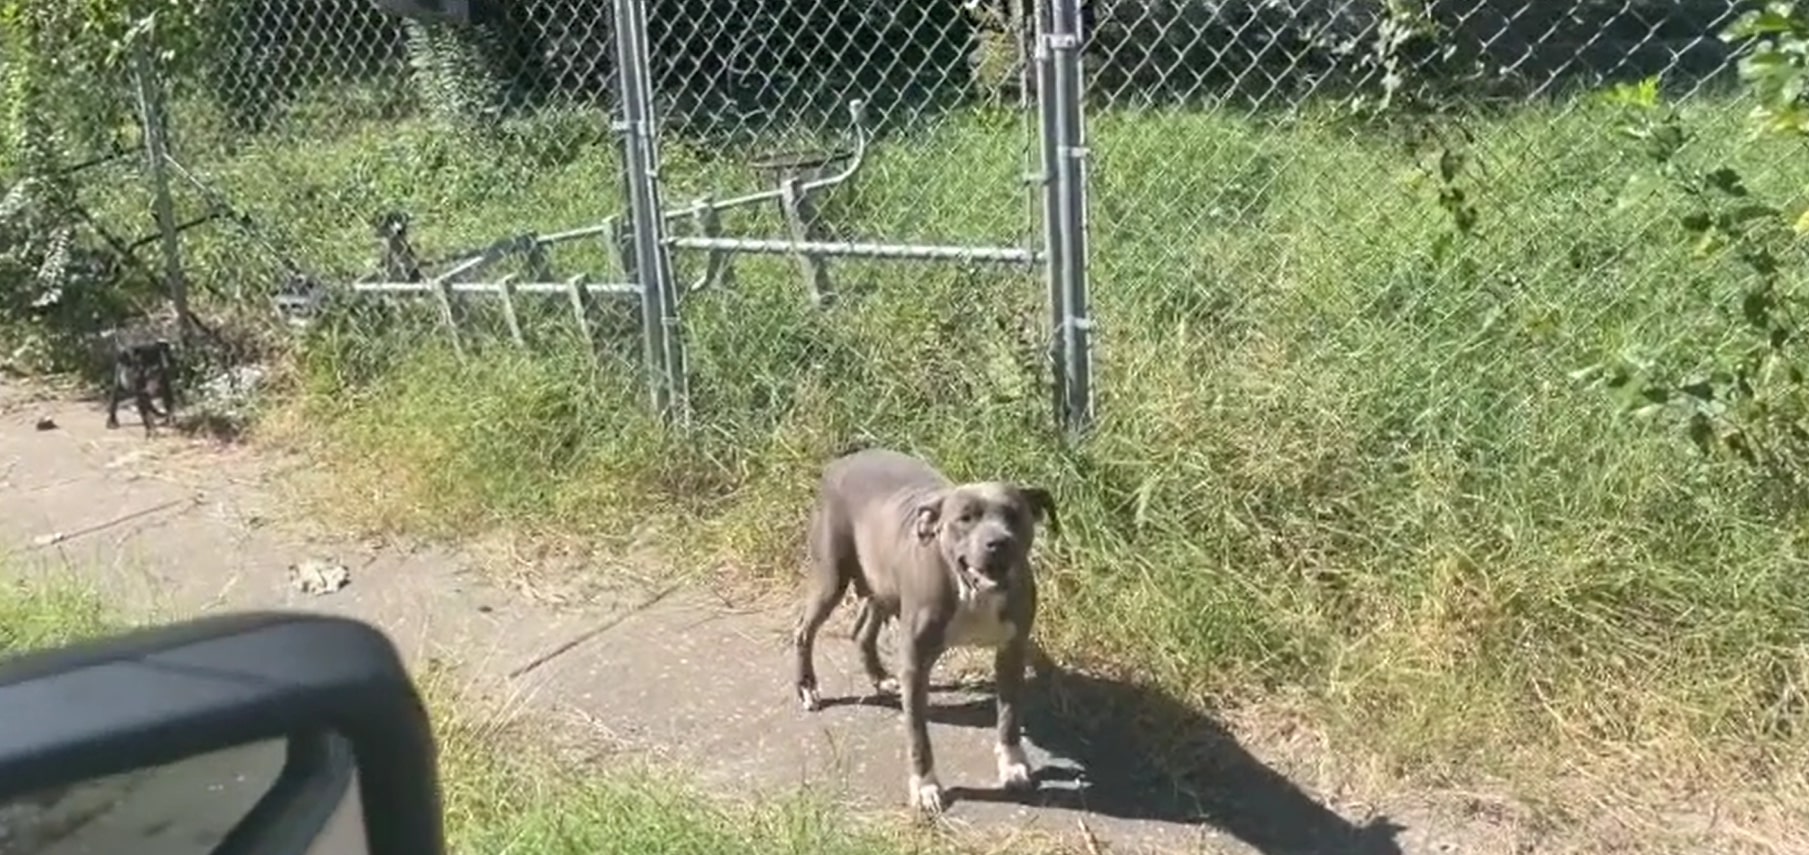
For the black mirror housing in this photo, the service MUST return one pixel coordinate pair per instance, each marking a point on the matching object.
(335, 690)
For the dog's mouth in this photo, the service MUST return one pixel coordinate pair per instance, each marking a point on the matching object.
(976, 580)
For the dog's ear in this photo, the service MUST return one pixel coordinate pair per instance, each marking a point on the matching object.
(926, 517)
(1042, 503)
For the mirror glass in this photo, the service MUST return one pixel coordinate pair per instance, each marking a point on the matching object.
(344, 833)
(183, 808)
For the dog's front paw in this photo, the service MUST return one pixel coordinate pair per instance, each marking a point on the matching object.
(926, 795)
(112, 424)
(809, 698)
(886, 686)
(1014, 767)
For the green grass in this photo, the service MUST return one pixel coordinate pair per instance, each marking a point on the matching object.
(1334, 464)
(35, 615)
(502, 791)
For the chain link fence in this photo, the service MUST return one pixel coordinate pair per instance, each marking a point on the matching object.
(340, 144)
(415, 191)
(1403, 223)
(1433, 189)
(900, 140)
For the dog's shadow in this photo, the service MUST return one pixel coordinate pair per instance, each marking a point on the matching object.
(1107, 760)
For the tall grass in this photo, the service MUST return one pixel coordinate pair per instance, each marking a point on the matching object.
(1340, 455)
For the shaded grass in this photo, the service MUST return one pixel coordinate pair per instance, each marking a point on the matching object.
(1340, 458)
(504, 792)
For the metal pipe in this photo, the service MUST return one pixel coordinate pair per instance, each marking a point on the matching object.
(759, 246)
(612, 289)
(574, 234)
(857, 110)
(1070, 173)
(660, 328)
(163, 205)
(1049, 134)
(462, 267)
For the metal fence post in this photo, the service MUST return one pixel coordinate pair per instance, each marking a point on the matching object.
(1060, 88)
(163, 206)
(1048, 138)
(652, 257)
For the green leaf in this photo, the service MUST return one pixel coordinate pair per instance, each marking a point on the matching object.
(1774, 19)
(1727, 181)
(1701, 390)
(1618, 377)
(1640, 95)
(1712, 242)
(1702, 432)
(1642, 186)
(1736, 443)
(1747, 213)
(1756, 307)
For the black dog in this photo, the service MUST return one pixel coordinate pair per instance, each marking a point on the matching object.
(142, 370)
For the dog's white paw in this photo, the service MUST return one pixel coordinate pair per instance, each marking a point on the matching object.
(810, 699)
(886, 686)
(1014, 767)
(926, 795)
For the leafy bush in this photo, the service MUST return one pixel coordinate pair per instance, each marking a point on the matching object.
(1742, 387)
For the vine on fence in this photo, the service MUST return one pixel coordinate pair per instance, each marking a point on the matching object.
(36, 231)
(455, 70)
(1749, 399)
(63, 67)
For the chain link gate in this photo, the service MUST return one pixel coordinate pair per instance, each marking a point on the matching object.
(762, 86)
(1048, 43)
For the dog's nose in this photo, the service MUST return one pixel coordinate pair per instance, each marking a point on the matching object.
(995, 543)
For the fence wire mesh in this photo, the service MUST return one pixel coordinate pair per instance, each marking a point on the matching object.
(1414, 219)
(1431, 190)
(909, 131)
(343, 147)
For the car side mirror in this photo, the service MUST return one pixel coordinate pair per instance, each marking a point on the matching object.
(250, 734)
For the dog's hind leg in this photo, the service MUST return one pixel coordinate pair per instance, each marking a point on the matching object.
(827, 583)
(817, 606)
(166, 386)
(145, 409)
(866, 628)
(114, 396)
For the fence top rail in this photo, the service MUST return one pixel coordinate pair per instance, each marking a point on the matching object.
(607, 288)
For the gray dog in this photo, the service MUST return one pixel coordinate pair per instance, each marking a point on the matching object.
(950, 562)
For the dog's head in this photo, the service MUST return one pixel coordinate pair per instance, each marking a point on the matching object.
(390, 224)
(148, 360)
(984, 530)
